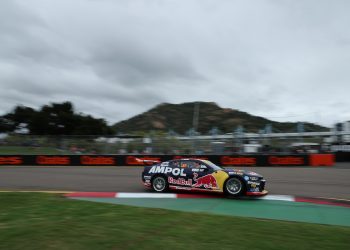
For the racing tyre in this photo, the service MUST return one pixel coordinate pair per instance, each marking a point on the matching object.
(160, 184)
(234, 187)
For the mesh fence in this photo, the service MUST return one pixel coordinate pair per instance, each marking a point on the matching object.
(31, 144)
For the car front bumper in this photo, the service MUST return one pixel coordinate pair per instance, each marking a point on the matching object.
(259, 193)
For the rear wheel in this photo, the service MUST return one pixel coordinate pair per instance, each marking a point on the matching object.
(159, 184)
(234, 187)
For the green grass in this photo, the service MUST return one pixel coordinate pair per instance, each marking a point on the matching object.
(46, 221)
(11, 150)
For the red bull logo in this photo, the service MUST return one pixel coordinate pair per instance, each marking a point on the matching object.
(207, 181)
(180, 181)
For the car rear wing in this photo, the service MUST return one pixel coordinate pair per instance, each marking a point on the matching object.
(147, 162)
(150, 162)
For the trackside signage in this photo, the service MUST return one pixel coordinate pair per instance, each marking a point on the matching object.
(53, 160)
(238, 161)
(286, 160)
(97, 160)
(141, 160)
(11, 160)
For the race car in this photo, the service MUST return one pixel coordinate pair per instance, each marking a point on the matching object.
(202, 175)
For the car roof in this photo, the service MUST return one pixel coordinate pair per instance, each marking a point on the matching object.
(186, 159)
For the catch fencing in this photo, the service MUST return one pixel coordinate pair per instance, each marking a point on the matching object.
(153, 144)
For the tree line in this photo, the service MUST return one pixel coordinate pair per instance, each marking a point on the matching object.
(53, 119)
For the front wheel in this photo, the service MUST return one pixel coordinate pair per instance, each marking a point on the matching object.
(234, 187)
(159, 184)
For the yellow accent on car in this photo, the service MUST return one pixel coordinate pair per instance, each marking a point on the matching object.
(221, 177)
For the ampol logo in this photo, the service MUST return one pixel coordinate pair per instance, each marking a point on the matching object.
(166, 170)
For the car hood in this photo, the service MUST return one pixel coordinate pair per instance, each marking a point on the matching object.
(231, 171)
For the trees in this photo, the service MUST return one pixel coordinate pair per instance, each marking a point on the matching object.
(53, 119)
(20, 115)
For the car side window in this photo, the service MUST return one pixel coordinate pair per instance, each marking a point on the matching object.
(175, 164)
(195, 164)
(191, 164)
(184, 164)
(204, 168)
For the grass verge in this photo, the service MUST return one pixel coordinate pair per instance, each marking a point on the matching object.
(48, 221)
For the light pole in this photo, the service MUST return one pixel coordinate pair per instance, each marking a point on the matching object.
(195, 116)
(195, 124)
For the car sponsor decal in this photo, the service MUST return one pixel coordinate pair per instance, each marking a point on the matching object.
(207, 181)
(255, 189)
(180, 181)
(158, 169)
(180, 187)
(253, 173)
(219, 176)
(236, 172)
(253, 183)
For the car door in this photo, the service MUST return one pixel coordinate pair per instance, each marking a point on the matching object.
(201, 175)
(179, 176)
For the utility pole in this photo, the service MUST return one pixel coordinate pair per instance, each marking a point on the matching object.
(195, 116)
(300, 129)
(268, 130)
(195, 125)
(238, 135)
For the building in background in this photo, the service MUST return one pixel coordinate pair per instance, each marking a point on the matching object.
(340, 141)
(341, 127)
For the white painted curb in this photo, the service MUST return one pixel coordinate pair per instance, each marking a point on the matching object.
(144, 195)
(272, 197)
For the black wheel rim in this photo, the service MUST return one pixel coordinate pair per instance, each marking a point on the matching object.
(159, 184)
(234, 186)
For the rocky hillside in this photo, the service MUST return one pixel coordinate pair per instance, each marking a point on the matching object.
(179, 118)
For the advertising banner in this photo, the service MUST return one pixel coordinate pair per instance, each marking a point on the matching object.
(140, 160)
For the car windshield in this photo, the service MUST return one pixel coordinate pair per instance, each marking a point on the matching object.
(212, 165)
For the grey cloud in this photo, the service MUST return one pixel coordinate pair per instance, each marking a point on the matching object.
(135, 65)
(117, 58)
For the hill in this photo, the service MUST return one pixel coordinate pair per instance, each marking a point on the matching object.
(179, 118)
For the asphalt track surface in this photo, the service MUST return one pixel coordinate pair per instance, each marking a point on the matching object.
(327, 182)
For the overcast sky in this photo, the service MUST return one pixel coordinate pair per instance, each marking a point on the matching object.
(285, 60)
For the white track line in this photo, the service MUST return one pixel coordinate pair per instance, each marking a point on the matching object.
(336, 199)
(144, 195)
(37, 191)
(172, 195)
(278, 197)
